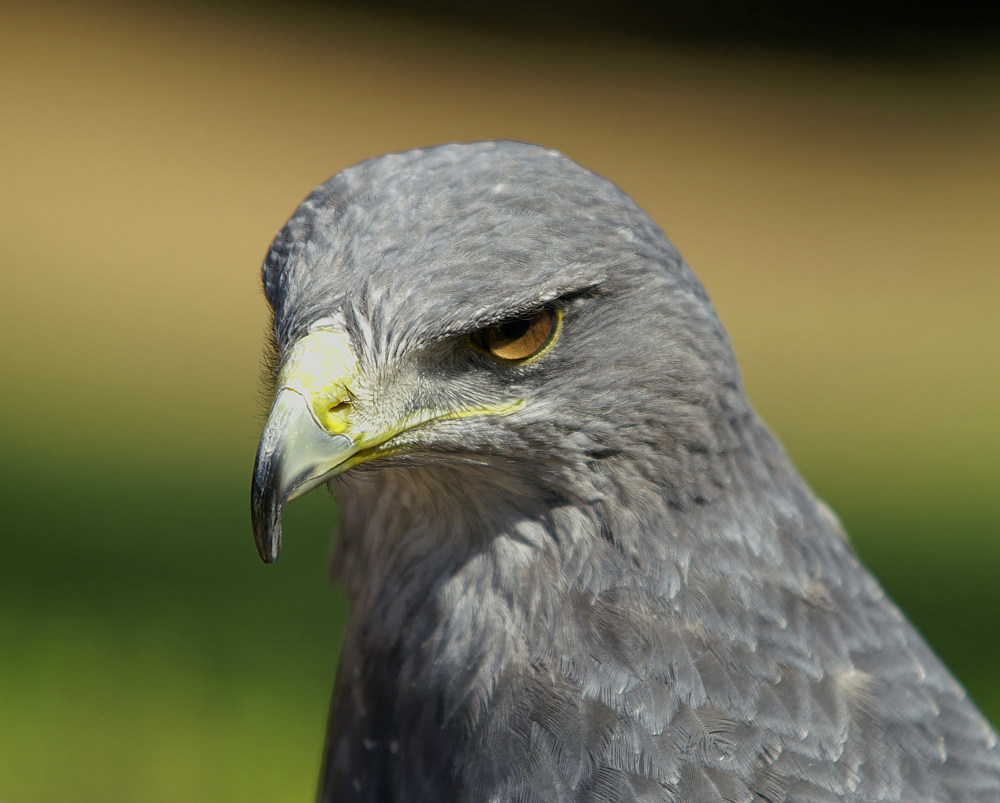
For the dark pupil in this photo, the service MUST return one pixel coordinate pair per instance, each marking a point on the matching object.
(513, 329)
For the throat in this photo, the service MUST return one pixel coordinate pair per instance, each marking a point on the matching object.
(459, 556)
(447, 595)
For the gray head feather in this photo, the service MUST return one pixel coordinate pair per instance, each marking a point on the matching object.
(621, 591)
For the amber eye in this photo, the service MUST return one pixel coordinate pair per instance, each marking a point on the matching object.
(519, 337)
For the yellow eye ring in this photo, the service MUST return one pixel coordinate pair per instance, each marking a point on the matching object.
(520, 337)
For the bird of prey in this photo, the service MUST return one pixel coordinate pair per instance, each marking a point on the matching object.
(578, 566)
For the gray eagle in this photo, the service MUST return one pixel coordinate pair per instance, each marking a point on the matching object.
(579, 567)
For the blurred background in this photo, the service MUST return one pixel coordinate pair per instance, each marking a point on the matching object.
(832, 174)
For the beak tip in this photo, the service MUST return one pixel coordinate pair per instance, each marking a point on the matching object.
(268, 552)
(293, 456)
(267, 533)
(266, 507)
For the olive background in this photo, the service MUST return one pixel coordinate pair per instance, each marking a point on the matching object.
(840, 199)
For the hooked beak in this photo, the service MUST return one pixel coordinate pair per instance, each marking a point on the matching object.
(295, 455)
(308, 436)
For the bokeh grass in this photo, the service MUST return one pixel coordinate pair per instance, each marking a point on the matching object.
(842, 214)
(146, 655)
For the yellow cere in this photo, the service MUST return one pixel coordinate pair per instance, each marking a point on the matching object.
(322, 366)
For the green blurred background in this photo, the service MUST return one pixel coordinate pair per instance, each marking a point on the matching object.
(842, 207)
